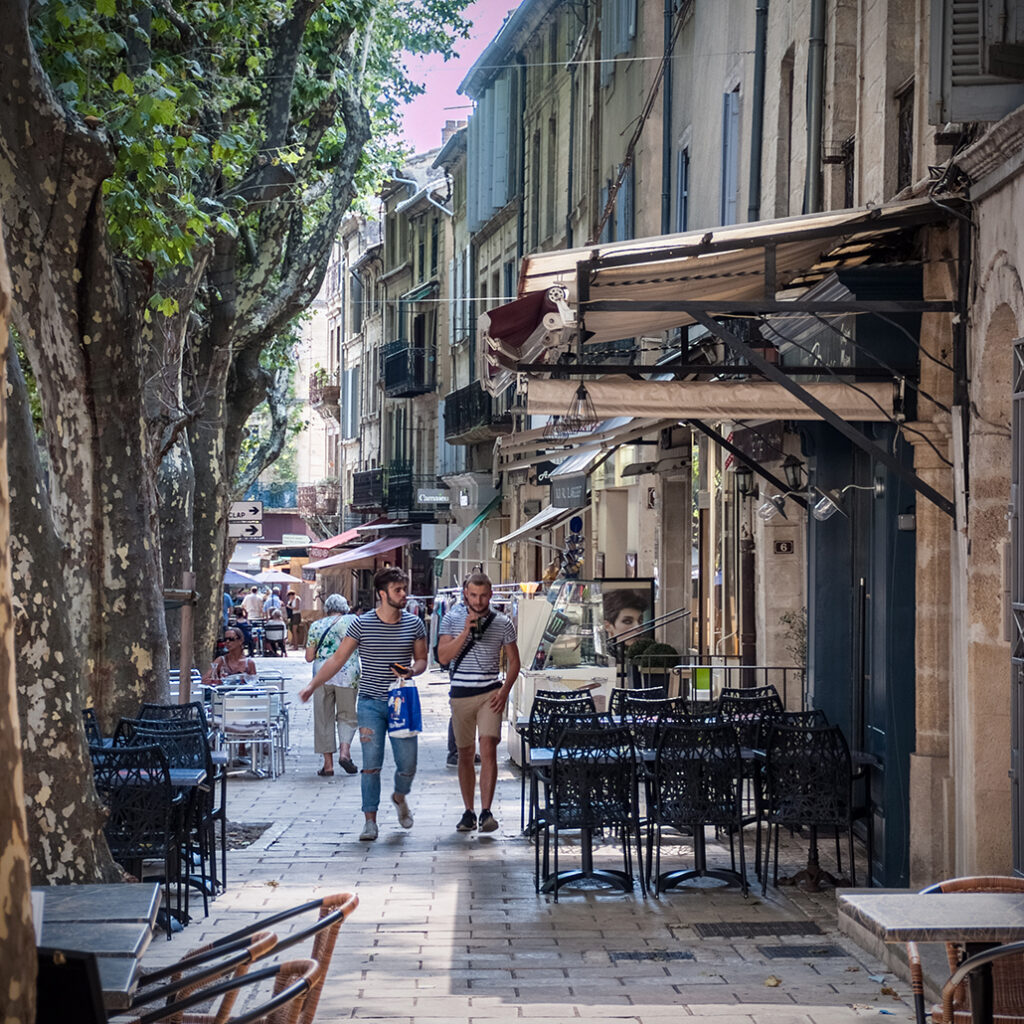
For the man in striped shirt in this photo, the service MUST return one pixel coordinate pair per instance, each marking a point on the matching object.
(471, 641)
(385, 636)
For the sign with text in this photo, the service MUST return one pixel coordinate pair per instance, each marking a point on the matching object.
(247, 531)
(245, 512)
(568, 491)
(433, 496)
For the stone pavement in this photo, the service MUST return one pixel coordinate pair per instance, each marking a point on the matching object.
(449, 926)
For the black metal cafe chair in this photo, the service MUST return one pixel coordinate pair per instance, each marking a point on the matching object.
(697, 782)
(144, 821)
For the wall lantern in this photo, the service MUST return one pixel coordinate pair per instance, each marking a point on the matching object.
(744, 481)
(793, 470)
(831, 502)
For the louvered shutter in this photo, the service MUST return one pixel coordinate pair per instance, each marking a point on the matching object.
(962, 34)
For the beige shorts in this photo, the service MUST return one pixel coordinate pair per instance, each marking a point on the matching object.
(470, 714)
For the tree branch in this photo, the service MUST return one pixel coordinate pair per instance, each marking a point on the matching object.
(271, 448)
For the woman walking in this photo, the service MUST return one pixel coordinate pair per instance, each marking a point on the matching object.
(334, 703)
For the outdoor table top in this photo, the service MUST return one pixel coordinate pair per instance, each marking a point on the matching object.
(124, 902)
(187, 778)
(931, 917)
(114, 921)
(104, 938)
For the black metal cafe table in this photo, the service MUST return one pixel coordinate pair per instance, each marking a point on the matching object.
(979, 920)
(113, 921)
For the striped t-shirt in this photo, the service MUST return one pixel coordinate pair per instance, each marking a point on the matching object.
(478, 670)
(381, 643)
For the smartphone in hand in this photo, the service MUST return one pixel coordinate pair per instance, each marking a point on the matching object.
(402, 670)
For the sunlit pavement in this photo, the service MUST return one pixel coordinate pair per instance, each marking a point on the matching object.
(449, 926)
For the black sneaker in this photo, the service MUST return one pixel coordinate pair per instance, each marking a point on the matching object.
(452, 761)
(467, 823)
(488, 822)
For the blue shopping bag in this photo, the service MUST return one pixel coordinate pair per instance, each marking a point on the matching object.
(404, 715)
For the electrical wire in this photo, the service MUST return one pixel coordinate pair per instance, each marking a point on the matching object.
(828, 369)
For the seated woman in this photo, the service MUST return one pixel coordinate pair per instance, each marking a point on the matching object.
(275, 633)
(233, 662)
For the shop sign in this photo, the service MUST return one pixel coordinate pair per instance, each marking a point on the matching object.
(569, 491)
(432, 496)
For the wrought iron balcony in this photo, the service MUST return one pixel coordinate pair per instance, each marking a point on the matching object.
(319, 499)
(368, 490)
(325, 394)
(403, 484)
(471, 415)
(409, 370)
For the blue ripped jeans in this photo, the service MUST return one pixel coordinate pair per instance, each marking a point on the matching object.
(372, 716)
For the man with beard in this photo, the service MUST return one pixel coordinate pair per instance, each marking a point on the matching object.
(386, 637)
(471, 641)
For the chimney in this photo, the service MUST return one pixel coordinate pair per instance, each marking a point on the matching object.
(449, 129)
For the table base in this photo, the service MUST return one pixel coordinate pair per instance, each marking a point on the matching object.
(616, 879)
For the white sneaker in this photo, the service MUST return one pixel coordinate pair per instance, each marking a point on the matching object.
(369, 832)
(404, 814)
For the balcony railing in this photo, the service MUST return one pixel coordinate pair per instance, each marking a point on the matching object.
(403, 484)
(275, 495)
(368, 490)
(325, 394)
(471, 415)
(409, 370)
(319, 499)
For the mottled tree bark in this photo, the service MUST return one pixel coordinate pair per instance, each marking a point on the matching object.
(78, 315)
(17, 941)
(65, 819)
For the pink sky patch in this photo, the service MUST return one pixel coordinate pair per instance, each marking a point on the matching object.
(425, 116)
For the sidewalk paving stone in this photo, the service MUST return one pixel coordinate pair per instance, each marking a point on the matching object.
(449, 926)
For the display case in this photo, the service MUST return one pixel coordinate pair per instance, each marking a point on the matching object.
(572, 649)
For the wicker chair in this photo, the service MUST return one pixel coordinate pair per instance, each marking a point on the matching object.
(332, 911)
(697, 781)
(1008, 975)
(1007, 966)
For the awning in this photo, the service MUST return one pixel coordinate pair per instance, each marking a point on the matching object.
(321, 547)
(636, 287)
(440, 557)
(868, 401)
(381, 546)
(545, 519)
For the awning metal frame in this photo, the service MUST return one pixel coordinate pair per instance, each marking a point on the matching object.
(850, 432)
(738, 453)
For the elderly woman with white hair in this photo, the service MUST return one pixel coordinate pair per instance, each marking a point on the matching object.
(334, 703)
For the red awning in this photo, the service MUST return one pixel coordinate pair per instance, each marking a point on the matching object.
(380, 546)
(321, 548)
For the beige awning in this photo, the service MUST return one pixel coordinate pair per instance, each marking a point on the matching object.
(545, 519)
(734, 263)
(713, 400)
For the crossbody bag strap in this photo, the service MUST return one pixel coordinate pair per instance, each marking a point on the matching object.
(454, 666)
(326, 634)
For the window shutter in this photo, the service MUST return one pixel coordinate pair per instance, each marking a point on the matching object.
(502, 120)
(609, 24)
(606, 231)
(962, 36)
(682, 189)
(730, 155)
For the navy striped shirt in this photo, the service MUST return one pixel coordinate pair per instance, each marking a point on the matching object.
(381, 643)
(478, 670)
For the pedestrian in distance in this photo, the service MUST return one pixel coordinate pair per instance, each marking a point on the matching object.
(471, 641)
(334, 703)
(272, 602)
(293, 606)
(253, 604)
(392, 646)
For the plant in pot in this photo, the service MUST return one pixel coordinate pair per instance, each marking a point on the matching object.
(651, 662)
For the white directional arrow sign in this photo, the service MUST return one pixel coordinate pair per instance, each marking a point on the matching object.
(248, 531)
(245, 512)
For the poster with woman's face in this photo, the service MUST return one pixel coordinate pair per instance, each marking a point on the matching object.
(626, 605)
